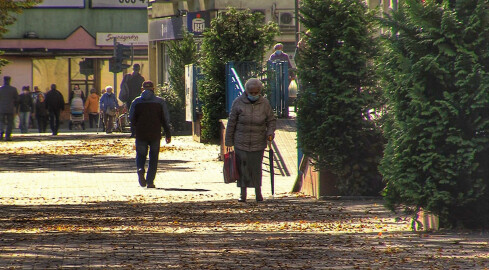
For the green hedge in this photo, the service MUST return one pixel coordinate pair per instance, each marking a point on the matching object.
(233, 36)
(435, 76)
(339, 97)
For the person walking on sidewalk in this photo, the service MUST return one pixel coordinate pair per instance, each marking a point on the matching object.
(91, 106)
(131, 88)
(148, 114)
(108, 106)
(26, 106)
(35, 97)
(8, 102)
(55, 103)
(41, 113)
(251, 123)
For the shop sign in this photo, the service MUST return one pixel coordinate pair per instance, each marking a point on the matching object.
(165, 29)
(119, 4)
(136, 39)
(197, 22)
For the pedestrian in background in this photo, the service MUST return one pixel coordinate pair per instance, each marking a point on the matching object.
(108, 107)
(131, 88)
(55, 103)
(26, 106)
(41, 113)
(92, 106)
(8, 103)
(280, 55)
(76, 92)
(35, 96)
(251, 123)
(148, 115)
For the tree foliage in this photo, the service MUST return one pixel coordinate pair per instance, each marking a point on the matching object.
(338, 93)
(233, 36)
(8, 10)
(435, 76)
(181, 52)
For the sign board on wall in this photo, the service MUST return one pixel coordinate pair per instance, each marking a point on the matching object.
(136, 39)
(61, 4)
(166, 29)
(119, 4)
(197, 22)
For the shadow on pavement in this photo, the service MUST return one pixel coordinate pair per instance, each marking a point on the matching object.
(68, 136)
(285, 233)
(79, 163)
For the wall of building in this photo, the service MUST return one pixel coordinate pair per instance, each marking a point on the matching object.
(46, 45)
(20, 70)
(60, 22)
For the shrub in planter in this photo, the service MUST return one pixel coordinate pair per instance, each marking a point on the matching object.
(436, 81)
(339, 95)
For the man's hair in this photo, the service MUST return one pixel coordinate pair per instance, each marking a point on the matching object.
(136, 67)
(53, 86)
(6, 79)
(148, 85)
(278, 45)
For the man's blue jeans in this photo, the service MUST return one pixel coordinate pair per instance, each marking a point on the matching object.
(142, 152)
(24, 121)
(9, 119)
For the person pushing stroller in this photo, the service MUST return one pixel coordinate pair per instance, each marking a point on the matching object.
(108, 107)
(77, 107)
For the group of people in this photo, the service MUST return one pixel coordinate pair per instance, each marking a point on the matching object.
(251, 125)
(27, 105)
(37, 109)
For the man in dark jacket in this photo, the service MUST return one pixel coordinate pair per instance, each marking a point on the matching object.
(55, 103)
(148, 114)
(8, 102)
(131, 88)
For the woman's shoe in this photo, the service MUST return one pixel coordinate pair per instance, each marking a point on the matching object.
(259, 197)
(242, 196)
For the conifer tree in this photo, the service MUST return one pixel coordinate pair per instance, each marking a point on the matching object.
(436, 81)
(338, 93)
(181, 52)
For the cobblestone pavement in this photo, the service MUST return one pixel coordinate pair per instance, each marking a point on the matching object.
(73, 202)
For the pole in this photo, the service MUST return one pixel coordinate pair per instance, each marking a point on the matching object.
(115, 74)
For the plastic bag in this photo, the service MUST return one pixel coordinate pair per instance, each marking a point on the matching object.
(230, 169)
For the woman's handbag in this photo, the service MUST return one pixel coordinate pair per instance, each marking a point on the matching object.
(230, 169)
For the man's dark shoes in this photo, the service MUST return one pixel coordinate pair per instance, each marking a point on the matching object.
(142, 181)
(242, 199)
(259, 198)
(151, 186)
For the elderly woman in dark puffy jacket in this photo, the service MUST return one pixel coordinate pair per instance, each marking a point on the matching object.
(250, 125)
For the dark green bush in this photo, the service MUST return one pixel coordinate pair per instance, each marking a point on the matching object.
(338, 96)
(181, 52)
(435, 76)
(233, 36)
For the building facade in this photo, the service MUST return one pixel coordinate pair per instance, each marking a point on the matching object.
(168, 18)
(71, 42)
